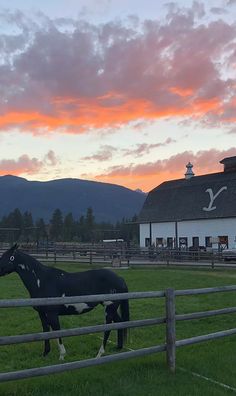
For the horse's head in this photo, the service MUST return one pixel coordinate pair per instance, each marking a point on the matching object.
(7, 261)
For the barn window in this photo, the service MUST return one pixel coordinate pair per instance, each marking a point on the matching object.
(196, 242)
(159, 242)
(147, 242)
(170, 242)
(208, 241)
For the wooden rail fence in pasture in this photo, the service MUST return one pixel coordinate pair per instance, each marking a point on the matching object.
(170, 319)
(118, 256)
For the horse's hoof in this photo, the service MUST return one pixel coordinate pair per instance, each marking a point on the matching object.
(100, 352)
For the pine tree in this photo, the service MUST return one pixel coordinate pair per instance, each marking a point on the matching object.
(41, 230)
(28, 232)
(90, 225)
(68, 228)
(14, 220)
(56, 226)
(81, 229)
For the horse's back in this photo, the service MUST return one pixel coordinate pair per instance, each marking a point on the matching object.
(97, 281)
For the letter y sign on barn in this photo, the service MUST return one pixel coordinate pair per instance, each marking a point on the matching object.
(212, 198)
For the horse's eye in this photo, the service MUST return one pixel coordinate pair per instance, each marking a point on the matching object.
(12, 258)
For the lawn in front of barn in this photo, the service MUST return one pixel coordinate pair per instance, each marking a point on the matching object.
(206, 368)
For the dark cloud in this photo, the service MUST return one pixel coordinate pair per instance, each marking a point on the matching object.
(145, 148)
(218, 10)
(105, 153)
(232, 131)
(51, 159)
(230, 2)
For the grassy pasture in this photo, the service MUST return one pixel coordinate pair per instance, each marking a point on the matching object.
(214, 359)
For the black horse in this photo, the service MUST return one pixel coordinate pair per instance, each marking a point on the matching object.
(42, 281)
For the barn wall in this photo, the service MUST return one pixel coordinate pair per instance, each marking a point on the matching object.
(213, 228)
(144, 232)
(163, 230)
(159, 230)
(190, 229)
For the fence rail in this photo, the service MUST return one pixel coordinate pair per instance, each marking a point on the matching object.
(122, 256)
(170, 321)
(78, 331)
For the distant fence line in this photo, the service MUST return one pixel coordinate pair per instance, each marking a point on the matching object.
(169, 319)
(120, 255)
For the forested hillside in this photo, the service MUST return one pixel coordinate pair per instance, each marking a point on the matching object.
(109, 202)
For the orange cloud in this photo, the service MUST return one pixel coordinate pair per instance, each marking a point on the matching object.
(93, 113)
(203, 106)
(32, 120)
(182, 91)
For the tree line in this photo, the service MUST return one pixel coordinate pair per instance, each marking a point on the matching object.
(17, 226)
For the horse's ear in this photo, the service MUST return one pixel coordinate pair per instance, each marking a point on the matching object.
(14, 247)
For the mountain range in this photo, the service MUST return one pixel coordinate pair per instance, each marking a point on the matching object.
(110, 202)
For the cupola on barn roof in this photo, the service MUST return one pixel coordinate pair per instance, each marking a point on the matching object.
(200, 197)
(189, 173)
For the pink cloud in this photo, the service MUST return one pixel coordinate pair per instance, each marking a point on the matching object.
(26, 165)
(151, 174)
(103, 76)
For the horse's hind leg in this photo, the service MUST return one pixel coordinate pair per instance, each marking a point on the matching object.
(55, 325)
(46, 328)
(120, 341)
(109, 312)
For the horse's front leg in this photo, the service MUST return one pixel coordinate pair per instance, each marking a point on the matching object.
(53, 321)
(46, 328)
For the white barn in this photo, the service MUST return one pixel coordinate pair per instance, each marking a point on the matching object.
(193, 211)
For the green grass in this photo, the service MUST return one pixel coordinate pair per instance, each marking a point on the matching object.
(214, 359)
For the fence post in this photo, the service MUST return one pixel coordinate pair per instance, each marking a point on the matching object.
(168, 258)
(170, 329)
(212, 262)
(90, 257)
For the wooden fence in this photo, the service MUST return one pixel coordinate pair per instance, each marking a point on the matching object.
(89, 254)
(170, 320)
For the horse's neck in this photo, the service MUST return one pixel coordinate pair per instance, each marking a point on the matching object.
(30, 272)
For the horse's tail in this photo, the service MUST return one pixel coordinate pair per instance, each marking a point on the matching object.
(124, 312)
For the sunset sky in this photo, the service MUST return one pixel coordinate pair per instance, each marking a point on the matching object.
(118, 91)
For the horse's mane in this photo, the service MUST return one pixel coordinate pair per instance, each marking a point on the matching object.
(31, 261)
